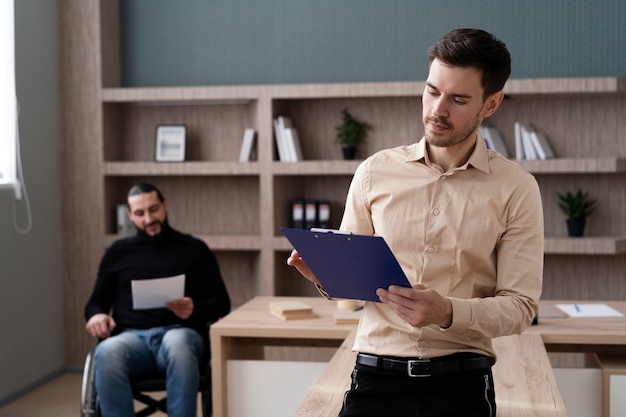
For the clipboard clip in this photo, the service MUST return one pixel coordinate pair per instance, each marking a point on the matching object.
(335, 231)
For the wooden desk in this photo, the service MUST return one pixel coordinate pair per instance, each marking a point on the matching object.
(593, 334)
(244, 332)
(524, 382)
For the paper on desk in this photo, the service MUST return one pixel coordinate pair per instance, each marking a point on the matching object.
(155, 293)
(589, 310)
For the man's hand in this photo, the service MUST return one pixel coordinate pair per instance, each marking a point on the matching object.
(183, 307)
(418, 306)
(100, 325)
(296, 261)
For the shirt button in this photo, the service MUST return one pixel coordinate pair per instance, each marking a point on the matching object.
(436, 212)
(422, 343)
(426, 285)
(431, 249)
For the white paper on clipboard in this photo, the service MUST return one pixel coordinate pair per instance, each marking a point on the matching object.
(155, 293)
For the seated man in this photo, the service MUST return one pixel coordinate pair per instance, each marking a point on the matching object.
(172, 340)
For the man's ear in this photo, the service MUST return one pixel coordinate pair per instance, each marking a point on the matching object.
(493, 102)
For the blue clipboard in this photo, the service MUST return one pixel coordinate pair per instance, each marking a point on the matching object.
(348, 265)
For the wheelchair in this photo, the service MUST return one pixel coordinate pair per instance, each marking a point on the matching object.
(90, 407)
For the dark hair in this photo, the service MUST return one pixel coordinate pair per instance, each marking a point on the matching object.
(145, 187)
(478, 49)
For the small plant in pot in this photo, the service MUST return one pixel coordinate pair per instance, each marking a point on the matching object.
(577, 207)
(350, 133)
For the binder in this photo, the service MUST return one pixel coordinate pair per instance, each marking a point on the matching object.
(323, 214)
(297, 214)
(310, 214)
(348, 265)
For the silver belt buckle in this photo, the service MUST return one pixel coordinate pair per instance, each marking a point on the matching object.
(409, 367)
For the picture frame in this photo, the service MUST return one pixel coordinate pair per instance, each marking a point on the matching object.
(170, 143)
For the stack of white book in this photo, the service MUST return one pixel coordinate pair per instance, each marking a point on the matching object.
(287, 140)
(531, 144)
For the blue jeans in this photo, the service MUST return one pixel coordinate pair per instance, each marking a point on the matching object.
(172, 350)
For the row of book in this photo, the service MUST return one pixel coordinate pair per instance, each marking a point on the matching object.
(308, 213)
(287, 140)
(529, 143)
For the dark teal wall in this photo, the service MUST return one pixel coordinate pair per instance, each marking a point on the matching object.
(227, 42)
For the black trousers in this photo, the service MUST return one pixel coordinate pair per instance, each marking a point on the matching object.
(378, 393)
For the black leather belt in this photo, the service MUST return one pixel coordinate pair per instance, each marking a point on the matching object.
(425, 367)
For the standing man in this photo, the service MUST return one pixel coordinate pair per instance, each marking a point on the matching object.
(172, 340)
(466, 225)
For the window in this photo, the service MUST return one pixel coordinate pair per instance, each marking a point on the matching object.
(8, 99)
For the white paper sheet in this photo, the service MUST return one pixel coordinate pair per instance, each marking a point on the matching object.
(155, 293)
(589, 310)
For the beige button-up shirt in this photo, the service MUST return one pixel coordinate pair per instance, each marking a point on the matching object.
(474, 234)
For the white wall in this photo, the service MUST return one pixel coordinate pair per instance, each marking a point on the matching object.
(31, 287)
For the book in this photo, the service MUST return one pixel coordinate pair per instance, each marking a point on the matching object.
(292, 143)
(290, 307)
(529, 149)
(347, 316)
(124, 226)
(302, 316)
(247, 145)
(519, 146)
(541, 145)
(292, 310)
(280, 123)
(494, 140)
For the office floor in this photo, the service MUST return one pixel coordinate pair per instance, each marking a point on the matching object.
(58, 398)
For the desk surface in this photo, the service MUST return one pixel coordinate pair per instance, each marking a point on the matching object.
(582, 330)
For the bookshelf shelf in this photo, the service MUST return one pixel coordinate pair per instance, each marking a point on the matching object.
(592, 245)
(575, 166)
(238, 208)
(215, 242)
(196, 168)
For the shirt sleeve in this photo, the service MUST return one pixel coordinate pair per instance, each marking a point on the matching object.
(519, 278)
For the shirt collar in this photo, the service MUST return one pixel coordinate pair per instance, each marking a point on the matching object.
(479, 158)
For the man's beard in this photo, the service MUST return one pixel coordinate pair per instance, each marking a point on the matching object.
(456, 136)
(164, 225)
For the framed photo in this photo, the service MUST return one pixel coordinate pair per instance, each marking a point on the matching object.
(170, 143)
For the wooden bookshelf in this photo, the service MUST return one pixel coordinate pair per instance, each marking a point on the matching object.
(238, 208)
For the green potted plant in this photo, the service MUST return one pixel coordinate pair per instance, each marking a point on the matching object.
(576, 207)
(350, 133)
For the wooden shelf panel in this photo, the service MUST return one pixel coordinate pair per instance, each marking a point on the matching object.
(315, 167)
(180, 95)
(566, 86)
(553, 245)
(217, 243)
(226, 94)
(594, 245)
(180, 168)
(574, 165)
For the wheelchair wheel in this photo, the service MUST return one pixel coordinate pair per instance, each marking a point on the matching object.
(88, 397)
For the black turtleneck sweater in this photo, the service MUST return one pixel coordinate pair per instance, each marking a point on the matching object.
(144, 257)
